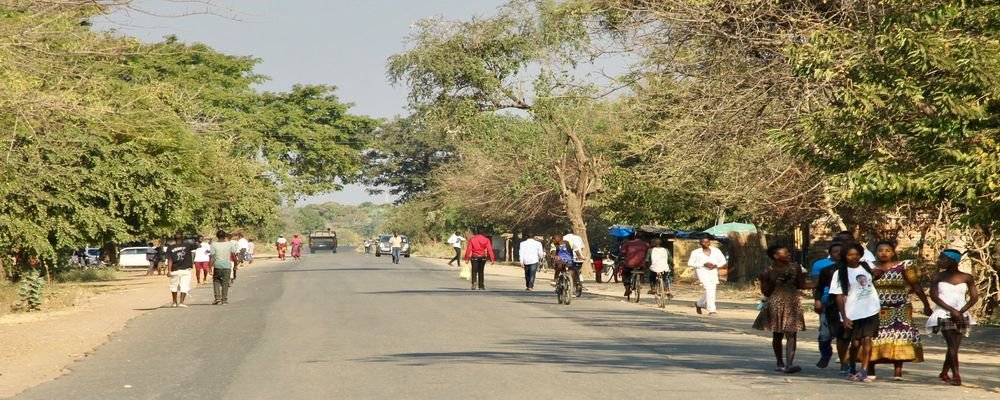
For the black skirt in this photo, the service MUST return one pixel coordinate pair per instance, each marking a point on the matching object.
(865, 327)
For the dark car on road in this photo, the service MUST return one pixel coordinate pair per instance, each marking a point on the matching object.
(323, 240)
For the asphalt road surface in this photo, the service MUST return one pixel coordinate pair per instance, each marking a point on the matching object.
(347, 326)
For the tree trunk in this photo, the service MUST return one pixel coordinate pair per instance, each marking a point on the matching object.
(574, 210)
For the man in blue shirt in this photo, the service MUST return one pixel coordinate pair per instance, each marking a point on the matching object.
(829, 326)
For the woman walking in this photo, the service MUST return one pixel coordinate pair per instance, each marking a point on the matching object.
(782, 312)
(296, 247)
(859, 307)
(952, 318)
(282, 246)
(897, 341)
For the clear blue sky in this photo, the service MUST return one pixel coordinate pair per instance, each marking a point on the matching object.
(344, 43)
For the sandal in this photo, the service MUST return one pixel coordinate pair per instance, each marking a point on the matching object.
(793, 369)
(944, 378)
(779, 369)
(956, 381)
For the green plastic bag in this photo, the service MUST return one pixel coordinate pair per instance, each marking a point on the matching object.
(466, 272)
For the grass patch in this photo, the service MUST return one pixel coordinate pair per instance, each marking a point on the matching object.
(8, 296)
(87, 275)
(434, 250)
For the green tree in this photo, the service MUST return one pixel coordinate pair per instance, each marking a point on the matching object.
(905, 111)
(463, 74)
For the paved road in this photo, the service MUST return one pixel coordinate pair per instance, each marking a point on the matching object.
(354, 327)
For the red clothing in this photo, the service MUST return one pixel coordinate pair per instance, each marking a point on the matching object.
(479, 246)
(634, 253)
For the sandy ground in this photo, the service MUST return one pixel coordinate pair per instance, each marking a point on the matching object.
(37, 347)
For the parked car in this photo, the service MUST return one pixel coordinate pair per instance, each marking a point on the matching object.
(133, 257)
(383, 246)
(91, 257)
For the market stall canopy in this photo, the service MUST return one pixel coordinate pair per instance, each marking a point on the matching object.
(656, 230)
(620, 231)
(731, 227)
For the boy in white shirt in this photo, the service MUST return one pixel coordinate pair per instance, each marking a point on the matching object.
(658, 258)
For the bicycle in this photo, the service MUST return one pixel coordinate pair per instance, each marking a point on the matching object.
(662, 294)
(635, 282)
(564, 286)
(577, 282)
(610, 271)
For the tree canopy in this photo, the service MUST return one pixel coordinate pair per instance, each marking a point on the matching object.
(110, 140)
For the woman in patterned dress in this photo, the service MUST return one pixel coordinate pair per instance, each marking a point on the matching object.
(782, 313)
(898, 340)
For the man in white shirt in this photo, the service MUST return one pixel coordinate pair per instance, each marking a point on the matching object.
(658, 258)
(250, 249)
(531, 253)
(243, 245)
(576, 243)
(706, 261)
(456, 242)
(201, 260)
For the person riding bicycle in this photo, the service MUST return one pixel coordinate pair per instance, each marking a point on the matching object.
(578, 259)
(633, 256)
(658, 258)
(562, 257)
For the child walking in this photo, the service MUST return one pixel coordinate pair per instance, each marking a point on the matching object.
(952, 318)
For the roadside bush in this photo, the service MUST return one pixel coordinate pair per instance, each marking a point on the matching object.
(86, 275)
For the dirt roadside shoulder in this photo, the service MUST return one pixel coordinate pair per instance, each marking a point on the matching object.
(41, 346)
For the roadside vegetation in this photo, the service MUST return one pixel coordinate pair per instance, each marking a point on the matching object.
(877, 117)
(109, 140)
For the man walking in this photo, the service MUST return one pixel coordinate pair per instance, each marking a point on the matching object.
(531, 253)
(368, 246)
(222, 253)
(456, 242)
(707, 260)
(480, 247)
(243, 248)
(395, 246)
(151, 257)
(180, 260)
(846, 238)
(202, 257)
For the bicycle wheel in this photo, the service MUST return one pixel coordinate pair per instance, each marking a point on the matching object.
(608, 273)
(567, 288)
(636, 284)
(559, 290)
(661, 292)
